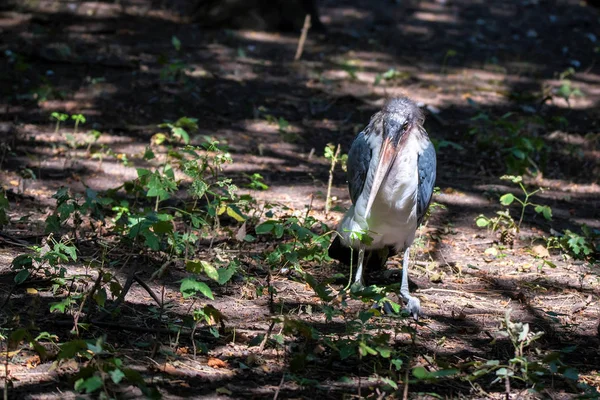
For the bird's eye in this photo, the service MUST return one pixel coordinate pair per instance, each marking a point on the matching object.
(405, 126)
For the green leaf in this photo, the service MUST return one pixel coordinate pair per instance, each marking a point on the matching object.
(545, 211)
(89, 385)
(322, 291)
(52, 224)
(420, 373)
(397, 363)
(194, 266)
(482, 221)
(364, 349)
(265, 227)
(181, 134)
(163, 227)
(149, 154)
(189, 287)
(141, 172)
(70, 250)
(278, 231)
(116, 375)
(385, 351)
(235, 213)
(176, 43)
(70, 349)
(21, 276)
(444, 372)
(571, 373)
(210, 271)
(61, 305)
(347, 351)
(100, 297)
(389, 382)
(507, 199)
(225, 274)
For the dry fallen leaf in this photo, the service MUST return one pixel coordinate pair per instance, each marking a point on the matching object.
(33, 361)
(216, 363)
(540, 251)
(224, 390)
(182, 350)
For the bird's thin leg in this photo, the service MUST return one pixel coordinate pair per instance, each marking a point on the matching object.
(413, 305)
(358, 281)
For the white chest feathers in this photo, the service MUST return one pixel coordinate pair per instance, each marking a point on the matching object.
(392, 220)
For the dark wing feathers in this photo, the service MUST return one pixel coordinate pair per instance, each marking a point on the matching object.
(359, 158)
(426, 164)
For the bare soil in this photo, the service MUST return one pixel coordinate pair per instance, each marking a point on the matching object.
(457, 58)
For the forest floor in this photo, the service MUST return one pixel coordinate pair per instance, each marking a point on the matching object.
(508, 87)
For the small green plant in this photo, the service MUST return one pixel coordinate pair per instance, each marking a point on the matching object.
(4, 207)
(102, 370)
(92, 138)
(585, 246)
(58, 117)
(176, 43)
(332, 153)
(79, 119)
(504, 221)
(391, 75)
(515, 138)
(257, 182)
(566, 89)
(179, 131)
(351, 69)
(528, 367)
(449, 54)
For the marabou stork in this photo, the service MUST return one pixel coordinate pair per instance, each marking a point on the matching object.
(391, 174)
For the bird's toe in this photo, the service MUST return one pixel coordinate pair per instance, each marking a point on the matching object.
(414, 307)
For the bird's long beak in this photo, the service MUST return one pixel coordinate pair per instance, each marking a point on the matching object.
(387, 155)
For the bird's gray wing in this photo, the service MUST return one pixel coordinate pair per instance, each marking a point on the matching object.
(359, 158)
(426, 165)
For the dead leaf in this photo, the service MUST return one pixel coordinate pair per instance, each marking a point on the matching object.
(540, 251)
(33, 361)
(241, 233)
(491, 251)
(170, 369)
(223, 390)
(182, 351)
(214, 362)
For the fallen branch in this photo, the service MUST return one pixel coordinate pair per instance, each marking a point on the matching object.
(302, 39)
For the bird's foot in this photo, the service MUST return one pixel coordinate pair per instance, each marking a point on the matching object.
(413, 307)
(357, 286)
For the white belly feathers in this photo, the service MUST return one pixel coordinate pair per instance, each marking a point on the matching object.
(393, 217)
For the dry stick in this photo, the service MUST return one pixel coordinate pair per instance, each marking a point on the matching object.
(264, 342)
(6, 371)
(121, 297)
(330, 183)
(143, 284)
(279, 387)
(132, 278)
(90, 294)
(305, 29)
(405, 394)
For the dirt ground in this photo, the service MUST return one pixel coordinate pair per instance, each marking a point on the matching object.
(457, 58)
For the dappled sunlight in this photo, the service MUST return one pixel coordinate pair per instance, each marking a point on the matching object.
(507, 88)
(266, 37)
